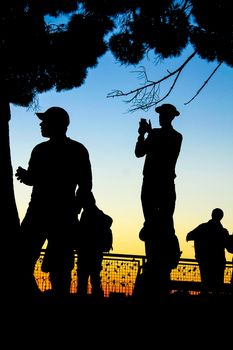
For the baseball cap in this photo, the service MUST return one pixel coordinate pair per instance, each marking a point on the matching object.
(169, 108)
(55, 114)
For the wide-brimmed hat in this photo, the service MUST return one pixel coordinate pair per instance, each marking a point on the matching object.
(167, 108)
(55, 114)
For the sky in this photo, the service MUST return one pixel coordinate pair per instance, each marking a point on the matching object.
(109, 131)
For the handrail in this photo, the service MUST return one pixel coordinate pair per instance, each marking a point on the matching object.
(120, 271)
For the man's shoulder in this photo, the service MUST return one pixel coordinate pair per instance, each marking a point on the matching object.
(155, 131)
(41, 146)
(225, 231)
(177, 133)
(76, 144)
(200, 228)
(172, 131)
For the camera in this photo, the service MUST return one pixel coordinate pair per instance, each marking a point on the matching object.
(144, 125)
(143, 122)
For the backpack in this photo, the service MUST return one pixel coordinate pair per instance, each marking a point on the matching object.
(103, 225)
(229, 245)
(169, 245)
(170, 250)
(96, 230)
(174, 251)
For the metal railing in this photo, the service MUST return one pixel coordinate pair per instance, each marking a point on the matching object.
(120, 272)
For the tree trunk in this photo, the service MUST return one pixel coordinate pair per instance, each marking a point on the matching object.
(9, 214)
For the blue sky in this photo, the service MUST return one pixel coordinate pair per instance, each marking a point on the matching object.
(205, 166)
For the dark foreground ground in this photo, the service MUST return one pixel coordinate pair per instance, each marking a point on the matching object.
(177, 321)
(184, 305)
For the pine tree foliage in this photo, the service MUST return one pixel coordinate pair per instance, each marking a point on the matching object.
(38, 55)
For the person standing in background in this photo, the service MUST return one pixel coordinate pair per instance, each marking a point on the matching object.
(93, 240)
(230, 250)
(210, 241)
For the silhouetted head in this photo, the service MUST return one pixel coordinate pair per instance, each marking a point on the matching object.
(55, 115)
(55, 120)
(167, 112)
(217, 214)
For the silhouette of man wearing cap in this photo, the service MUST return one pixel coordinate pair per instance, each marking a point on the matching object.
(59, 171)
(161, 148)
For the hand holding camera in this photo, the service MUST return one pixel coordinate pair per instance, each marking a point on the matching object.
(144, 126)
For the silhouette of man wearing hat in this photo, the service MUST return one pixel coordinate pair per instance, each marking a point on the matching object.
(161, 148)
(59, 171)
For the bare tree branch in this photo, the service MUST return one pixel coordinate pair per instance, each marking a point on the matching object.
(204, 84)
(148, 95)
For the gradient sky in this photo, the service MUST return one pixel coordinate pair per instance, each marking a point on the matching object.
(104, 125)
